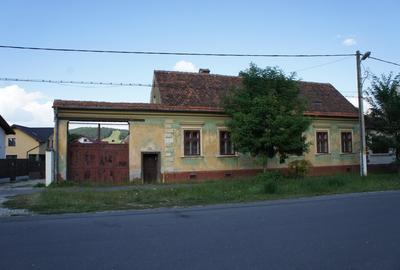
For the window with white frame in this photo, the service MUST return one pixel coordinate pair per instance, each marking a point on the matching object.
(191, 142)
(346, 141)
(322, 138)
(225, 143)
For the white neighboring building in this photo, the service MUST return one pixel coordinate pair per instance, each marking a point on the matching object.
(84, 140)
(381, 158)
(382, 155)
(5, 129)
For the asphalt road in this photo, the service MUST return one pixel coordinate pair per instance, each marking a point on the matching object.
(358, 231)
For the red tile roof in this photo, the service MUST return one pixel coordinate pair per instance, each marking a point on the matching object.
(202, 89)
(202, 93)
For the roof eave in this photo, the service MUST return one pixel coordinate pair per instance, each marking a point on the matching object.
(93, 108)
(331, 114)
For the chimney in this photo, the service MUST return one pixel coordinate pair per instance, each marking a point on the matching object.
(204, 71)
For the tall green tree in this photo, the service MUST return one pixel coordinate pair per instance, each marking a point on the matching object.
(384, 116)
(267, 114)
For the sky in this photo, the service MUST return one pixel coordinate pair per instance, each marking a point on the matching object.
(253, 27)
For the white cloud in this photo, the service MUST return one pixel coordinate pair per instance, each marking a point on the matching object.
(349, 42)
(18, 106)
(185, 66)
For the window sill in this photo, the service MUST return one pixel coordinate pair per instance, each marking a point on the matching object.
(322, 154)
(192, 156)
(346, 154)
(227, 156)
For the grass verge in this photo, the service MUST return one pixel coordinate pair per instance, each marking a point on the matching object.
(263, 187)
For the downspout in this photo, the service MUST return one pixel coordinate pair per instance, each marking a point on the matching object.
(27, 152)
(56, 151)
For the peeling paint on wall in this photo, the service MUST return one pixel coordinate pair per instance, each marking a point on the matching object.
(163, 133)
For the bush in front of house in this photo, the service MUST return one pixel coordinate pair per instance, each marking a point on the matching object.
(269, 181)
(299, 168)
(270, 187)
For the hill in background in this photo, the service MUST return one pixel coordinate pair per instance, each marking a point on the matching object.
(106, 134)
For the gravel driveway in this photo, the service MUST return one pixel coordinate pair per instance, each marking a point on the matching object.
(17, 188)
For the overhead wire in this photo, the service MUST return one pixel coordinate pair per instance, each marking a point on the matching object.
(170, 53)
(61, 82)
(96, 83)
(384, 61)
(321, 65)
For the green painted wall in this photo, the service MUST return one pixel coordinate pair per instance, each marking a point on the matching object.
(164, 135)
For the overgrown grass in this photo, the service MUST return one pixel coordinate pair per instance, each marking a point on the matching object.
(263, 187)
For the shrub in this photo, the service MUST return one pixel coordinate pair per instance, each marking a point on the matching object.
(299, 168)
(271, 186)
(270, 175)
(336, 182)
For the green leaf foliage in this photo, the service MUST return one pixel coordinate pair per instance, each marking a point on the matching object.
(384, 118)
(267, 114)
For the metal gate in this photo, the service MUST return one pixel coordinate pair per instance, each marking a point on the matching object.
(98, 162)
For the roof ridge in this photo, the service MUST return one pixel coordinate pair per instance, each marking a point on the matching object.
(223, 75)
(196, 73)
(316, 82)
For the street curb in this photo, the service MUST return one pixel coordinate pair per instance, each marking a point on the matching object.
(199, 208)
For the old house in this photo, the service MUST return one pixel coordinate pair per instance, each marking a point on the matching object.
(29, 142)
(181, 134)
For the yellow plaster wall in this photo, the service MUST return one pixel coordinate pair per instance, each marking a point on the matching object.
(62, 149)
(147, 136)
(24, 143)
(164, 135)
(334, 157)
(162, 132)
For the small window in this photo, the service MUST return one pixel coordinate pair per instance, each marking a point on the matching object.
(347, 142)
(225, 143)
(191, 142)
(11, 141)
(322, 142)
(11, 156)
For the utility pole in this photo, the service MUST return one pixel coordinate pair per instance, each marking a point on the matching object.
(363, 154)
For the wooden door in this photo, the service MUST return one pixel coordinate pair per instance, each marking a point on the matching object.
(150, 167)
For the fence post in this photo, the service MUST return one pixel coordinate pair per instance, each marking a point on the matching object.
(49, 167)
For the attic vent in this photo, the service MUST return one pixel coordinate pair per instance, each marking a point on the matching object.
(192, 176)
(316, 104)
(204, 71)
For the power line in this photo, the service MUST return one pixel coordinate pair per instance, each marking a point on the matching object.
(169, 53)
(96, 83)
(385, 61)
(74, 82)
(321, 65)
(66, 83)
